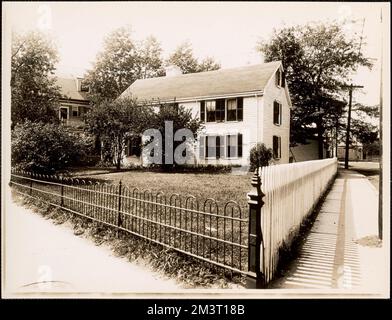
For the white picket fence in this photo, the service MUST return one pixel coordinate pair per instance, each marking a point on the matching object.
(291, 193)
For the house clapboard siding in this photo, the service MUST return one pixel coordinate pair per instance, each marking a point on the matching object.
(252, 89)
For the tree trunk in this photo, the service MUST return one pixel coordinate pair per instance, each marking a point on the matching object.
(119, 154)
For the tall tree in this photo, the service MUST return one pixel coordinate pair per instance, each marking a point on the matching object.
(319, 60)
(115, 121)
(183, 57)
(115, 68)
(208, 64)
(150, 61)
(34, 93)
(364, 124)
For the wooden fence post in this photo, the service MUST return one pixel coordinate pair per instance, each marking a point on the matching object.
(119, 220)
(255, 277)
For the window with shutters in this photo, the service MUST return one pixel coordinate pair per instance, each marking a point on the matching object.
(234, 146)
(231, 143)
(212, 147)
(277, 113)
(276, 147)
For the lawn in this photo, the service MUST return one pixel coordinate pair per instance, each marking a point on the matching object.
(222, 187)
(219, 234)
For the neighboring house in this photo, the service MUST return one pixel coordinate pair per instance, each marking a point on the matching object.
(355, 152)
(74, 102)
(239, 108)
(306, 151)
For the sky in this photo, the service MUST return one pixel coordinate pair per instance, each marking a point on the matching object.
(227, 31)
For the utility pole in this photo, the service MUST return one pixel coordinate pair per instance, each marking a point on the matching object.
(351, 87)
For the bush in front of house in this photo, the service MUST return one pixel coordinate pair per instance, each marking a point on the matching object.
(260, 156)
(46, 147)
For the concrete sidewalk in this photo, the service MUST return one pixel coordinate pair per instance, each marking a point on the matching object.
(340, 251)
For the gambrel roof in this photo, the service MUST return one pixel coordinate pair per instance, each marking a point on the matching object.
(250, 79)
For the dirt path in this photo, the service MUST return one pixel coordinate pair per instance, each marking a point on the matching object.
(43, 257)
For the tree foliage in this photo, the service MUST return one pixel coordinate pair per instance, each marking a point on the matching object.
(115, 67)
(115, 121)
(183, 57)
(150, 61)
(182, 119)
(363, 124)
(319, 60)
(34, 93)
(122, 61)
(46, 147)
(260, 156)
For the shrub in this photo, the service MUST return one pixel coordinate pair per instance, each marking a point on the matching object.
(46, 148)
(260, 156)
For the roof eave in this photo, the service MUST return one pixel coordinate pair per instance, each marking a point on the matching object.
(209, 97)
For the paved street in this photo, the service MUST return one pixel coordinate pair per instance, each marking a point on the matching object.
(339, 251)
(369, 169)
(41, 257)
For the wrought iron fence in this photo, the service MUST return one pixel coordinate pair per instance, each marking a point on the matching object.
(205, 230)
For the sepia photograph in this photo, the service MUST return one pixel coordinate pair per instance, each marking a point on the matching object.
(179, 150)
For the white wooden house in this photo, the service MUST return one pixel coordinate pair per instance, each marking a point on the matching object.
(74, 102)
(239, 107)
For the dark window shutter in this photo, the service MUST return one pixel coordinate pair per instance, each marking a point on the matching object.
(202, 147)
(202, 111)
(239, 141)
(283, 79)
(217, 148)
(276, 113)
(220, 110)
(240, 109)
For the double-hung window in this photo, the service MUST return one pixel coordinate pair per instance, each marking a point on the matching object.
(280, 78)
(234, 146)
(276, 147)
(216, 146)
(234, 109)
(213, 147)
(221, 110)
(210, 110)
(75, 111)
(277, 113)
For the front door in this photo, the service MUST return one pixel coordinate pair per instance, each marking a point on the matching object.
(63, 114)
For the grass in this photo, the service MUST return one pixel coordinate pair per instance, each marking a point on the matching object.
(98, 199)
(222, 187)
